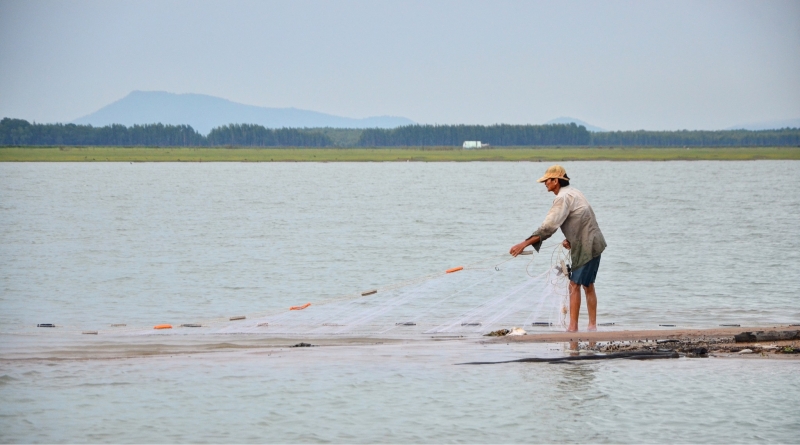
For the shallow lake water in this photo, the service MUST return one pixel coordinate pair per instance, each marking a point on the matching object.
(84, 246)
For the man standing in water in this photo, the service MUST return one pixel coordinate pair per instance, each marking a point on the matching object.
(572, 213)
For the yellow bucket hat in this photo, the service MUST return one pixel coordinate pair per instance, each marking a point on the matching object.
(555, 171)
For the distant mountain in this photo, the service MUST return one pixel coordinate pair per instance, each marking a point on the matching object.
(206, 112)
(768, 125)
(569, 120)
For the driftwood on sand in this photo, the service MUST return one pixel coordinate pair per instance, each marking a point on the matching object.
(757, 336)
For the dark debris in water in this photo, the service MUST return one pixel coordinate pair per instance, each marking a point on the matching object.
(302, 345)
(649, 349)
(629, 355)
(688, 347)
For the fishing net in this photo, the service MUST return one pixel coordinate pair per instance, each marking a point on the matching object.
(477, 299)
(530, 292)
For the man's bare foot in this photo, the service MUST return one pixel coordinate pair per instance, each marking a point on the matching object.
(572, 329)
(592, 328)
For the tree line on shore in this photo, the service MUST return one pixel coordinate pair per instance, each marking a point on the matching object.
(499, 135)
(699, 138)
(18, 132)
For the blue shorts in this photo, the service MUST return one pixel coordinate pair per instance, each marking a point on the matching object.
(586, 274)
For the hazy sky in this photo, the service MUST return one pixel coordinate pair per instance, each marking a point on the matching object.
(618, 65)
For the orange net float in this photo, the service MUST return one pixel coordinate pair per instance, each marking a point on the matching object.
(162, 326)
(455, 269)
(299, 308)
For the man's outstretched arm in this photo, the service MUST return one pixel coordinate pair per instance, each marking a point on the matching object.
(555, 217)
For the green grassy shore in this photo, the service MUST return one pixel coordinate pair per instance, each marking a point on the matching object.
(419, 154)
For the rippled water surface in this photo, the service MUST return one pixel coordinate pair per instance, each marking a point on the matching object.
(83, 246)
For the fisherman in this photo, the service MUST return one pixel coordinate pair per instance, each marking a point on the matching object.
(572, 213)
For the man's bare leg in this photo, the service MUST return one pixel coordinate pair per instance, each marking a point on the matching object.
(591, 304)
(574, 306)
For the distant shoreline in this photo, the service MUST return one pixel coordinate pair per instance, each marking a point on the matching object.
(404, 154)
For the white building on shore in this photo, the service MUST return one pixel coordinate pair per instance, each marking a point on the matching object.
(471, 144)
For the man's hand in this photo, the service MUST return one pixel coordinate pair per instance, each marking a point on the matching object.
(566, 244)
(517, 248)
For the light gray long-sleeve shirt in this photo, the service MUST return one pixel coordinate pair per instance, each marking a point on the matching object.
(572, 213)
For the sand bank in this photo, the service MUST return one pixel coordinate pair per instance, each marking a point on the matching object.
(776, 341)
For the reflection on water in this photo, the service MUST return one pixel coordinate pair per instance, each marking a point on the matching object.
(576, 389)
(405, 392)
(575, 378)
